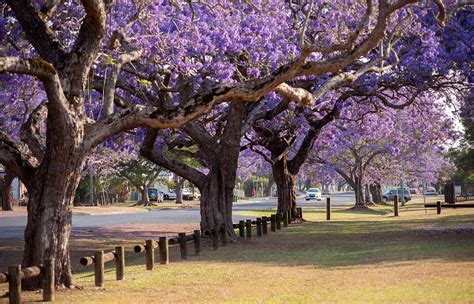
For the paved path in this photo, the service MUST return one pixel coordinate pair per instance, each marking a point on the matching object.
(13, 227)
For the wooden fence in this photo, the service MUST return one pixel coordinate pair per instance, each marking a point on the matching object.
(217, 236)
(15, 275)
(46, 271)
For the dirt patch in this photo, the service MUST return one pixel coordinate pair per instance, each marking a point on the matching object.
(133, 231)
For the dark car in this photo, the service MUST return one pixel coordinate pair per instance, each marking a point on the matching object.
(155, 195)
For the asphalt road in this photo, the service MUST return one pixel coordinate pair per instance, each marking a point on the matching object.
(13, 227)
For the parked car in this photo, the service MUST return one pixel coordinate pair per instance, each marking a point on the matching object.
(169, 195)
(431, 191)
(313, 193)
(390, 194)
(155, 195)
(188, 195)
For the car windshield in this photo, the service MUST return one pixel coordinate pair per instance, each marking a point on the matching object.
(313, 190)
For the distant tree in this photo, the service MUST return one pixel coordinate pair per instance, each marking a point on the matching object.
(141, 174)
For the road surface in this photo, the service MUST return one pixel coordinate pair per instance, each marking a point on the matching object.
(13, 227)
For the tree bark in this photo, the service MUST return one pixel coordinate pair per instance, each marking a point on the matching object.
(376, 191)
(217, 199)
(359, 192)
(286, 185)
(145, 197)
(179, 189)
(49, 217)
(5, 191)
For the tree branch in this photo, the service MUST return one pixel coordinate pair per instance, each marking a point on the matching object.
(37, 31)
(16, 160)
(30, 132)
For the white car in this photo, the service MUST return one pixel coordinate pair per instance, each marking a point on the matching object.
(313, 193)
(169, 195)
(430, 191)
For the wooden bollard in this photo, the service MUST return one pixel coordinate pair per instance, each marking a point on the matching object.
(48, 280)
(197, 242)
(395, 205)
(438, 207)
(119, 263)
(285, 219)
(290, 215)
(223, 232)
(149, 254)
(248, 228)
(215, 238)
(242, 229)
(99, 268)
(278, 221)
(14, 284)
(273, 222)
(300, 212)
(264, 225)
(183, 245)
(259, 227)
(328, 208)
(164, 250)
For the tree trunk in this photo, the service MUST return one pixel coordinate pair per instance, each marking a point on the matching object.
(217, 200)
(5, 191)
(286, 185)
(359, 193)
(51, 195)
(368, 199)
(376, 191)
(145, 198)
(178, 190)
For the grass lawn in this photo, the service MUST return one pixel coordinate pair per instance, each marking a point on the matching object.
(360, 256)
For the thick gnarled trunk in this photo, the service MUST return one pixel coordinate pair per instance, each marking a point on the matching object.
(49, 218)
(286, 186)
(217, 200)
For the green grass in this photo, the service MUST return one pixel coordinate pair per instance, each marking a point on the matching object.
(360, 256)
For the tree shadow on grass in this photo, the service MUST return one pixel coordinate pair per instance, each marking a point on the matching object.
(358, 243)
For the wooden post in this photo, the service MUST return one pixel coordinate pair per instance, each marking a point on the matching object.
(215, 238)
(300, 212)
(395, 205)
(164, 250)
(248, 226)
(242, 229)
(285, 219)
(149, 254)
(264, 225)
(119, 262)
(14, 284)
(278, 221)
(197, 242)
(259, 227)
(99, 268)
(290, 215)
(223, 231)
(438, 207)
(328, 208)
(48, 280)
(183, 245)
(273, 222)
